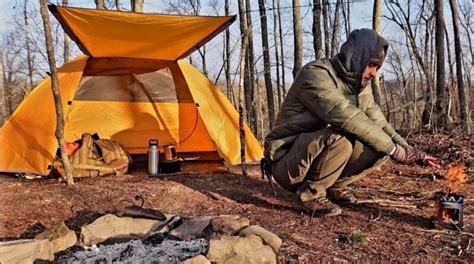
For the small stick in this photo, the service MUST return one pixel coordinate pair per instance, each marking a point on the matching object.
(377, 218)
(454, 224)
(468, 244)
(384, 202)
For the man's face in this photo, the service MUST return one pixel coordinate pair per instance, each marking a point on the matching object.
(369, 73)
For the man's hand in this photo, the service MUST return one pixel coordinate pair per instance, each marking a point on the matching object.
(408, 155)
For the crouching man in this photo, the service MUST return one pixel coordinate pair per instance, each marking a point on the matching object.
(330, 132)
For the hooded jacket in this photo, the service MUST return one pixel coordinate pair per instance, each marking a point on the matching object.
(327, 92)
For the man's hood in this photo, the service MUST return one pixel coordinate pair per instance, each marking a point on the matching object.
(356, 52)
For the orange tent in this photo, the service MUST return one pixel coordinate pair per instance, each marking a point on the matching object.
(131, 85)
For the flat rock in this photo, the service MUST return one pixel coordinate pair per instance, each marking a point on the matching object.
(271, 239)
(191, 228)
(112, 226)
(25, 251)
(60, 237)
(233, 249)
(199, 259)
(228, 225)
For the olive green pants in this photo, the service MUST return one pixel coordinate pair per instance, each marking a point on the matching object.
(324, 159)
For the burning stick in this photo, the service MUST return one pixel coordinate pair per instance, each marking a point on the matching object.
(449, 204)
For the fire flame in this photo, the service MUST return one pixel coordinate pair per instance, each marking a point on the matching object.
(454, 178)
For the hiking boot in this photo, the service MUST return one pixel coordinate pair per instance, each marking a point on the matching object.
(321, 207)
(340, 195)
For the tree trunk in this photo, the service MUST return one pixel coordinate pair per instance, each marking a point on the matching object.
(243, 52)
(117, 5)
(376, 18)
(346, 10)
(56, 93)
(440, 104)
(100, 4)
(3, 94)
(252, 94)
(66, 41)
(298, 37)
(282, 52)
(327, 43)
(137, 6)
(334, 44)
(317, 37)
(463, 103)
(266, 63)
(29, 59)
(228, 77)
(277, 55)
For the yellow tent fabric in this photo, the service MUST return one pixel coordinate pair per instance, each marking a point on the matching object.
(27, 141)
(101, 33)
(131, 89)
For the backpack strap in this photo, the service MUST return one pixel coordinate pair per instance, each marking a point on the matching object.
(266, 169)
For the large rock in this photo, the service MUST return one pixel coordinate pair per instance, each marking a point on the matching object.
(60, 237)
(271, 239)
(111, 226)
(199, 259)
(25, 251)
(248, 249)
(228, 225)
(191, 228)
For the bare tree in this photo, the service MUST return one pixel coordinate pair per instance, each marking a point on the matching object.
(227, 53)
(327, 43)
(100, 4)
(251, 89)
(376, 18)
(463, 104)
(29, 59)
(440, 108)
(137, 5)
(56, 93)
(317, 36)
(277, 55)
(66, 41)
(282, 52)
(346, 12)
(298, 37)
(243, 52)
(335, 30)
(266, 63)
(3, 95)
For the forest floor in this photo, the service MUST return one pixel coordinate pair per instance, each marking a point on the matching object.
(392, 222)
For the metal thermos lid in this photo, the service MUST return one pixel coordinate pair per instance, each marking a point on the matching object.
(153, 142)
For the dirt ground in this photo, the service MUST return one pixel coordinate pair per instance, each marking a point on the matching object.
(400, 230)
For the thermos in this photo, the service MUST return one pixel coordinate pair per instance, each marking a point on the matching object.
(153, 157)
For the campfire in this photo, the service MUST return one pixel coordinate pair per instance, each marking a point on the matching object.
(448, 208)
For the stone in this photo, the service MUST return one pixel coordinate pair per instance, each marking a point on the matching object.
(199, 259)
(228, 225)
(112, 226)
(270, 239)
(191, 228)
(60, 237)
(233, 249)
(25, 251)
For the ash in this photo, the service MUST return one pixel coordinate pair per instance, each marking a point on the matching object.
(138, 251)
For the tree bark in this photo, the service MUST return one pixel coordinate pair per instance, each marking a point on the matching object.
(327, 43)
(228, 77)
(282, 52)
(252, 94)
(266, 63)
(317, 37)
(376, 18)
(243, 52)
(29, 59)
(56, 93)
(440, 104)
(137, 6)
(67, 41)
(463, 103)
(334, 44)
(100, 4)
(298, 37)
(277, 55)
(3, 94)
(117, 5)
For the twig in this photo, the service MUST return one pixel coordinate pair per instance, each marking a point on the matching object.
(468, 244)
(385, 202)
(377, 218)
(447, 232)
(454, 224)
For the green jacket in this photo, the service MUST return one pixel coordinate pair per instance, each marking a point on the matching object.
(326, 94)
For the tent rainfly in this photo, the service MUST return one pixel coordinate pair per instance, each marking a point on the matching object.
(131, 85)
